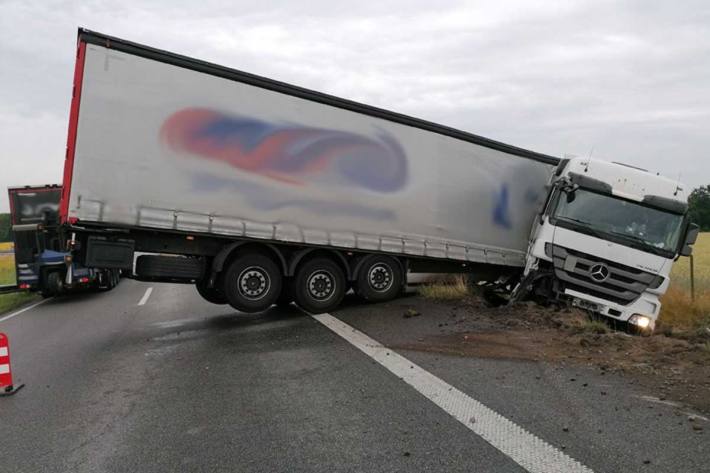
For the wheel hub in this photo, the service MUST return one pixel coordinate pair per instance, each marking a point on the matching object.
(254, 283)
(380, 277)
(321, 285)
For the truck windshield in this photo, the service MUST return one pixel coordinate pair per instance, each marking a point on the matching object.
(620, 220)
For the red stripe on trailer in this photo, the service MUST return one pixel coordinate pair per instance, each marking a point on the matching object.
(71, 137)
(5, 371)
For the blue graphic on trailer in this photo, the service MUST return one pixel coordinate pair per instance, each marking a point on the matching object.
(501, 208)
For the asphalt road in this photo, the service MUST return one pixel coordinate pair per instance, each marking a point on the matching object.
(178, 384)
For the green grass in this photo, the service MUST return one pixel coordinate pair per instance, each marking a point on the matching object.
(13, 300)
(7, 265)
(445, 290)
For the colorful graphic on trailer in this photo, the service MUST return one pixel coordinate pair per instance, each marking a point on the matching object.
(288, 153)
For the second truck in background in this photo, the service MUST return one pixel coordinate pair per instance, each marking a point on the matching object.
(43, 263)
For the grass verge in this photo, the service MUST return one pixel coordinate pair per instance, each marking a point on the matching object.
(451, 289)
(7, 265)
(14, 300)
(679, 312)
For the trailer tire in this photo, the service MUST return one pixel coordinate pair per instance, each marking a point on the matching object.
(379, 279)
(319, 285)
(211, 294)
(252, 283)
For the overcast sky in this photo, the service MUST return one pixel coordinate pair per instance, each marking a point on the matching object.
(629, 80)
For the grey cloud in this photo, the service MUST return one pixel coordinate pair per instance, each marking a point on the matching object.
(626, 79)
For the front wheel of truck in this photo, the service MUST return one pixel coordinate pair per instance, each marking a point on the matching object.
(252, 283)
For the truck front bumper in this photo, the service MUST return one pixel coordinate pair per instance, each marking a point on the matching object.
(643, 312)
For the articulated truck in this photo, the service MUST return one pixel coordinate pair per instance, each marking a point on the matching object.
(259, 192)
(42, 264)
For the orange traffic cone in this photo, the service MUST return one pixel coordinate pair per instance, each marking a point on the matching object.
(6, 386)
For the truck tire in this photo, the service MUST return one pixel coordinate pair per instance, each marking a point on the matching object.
(211, 294)
(319, 285)
(54, 284)
(252, 283)
(106, 279)
(379, 279)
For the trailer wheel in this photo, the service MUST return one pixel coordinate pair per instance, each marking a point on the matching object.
(211, 294)
(252, 283)
(319, 285)
(379, 279)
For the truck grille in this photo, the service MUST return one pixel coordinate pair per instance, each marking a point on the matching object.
(598, 277)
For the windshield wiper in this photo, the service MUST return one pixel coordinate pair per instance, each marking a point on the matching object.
(636, 238)
(586, 225)
(647, 246)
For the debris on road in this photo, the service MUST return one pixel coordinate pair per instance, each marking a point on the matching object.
(672, 367)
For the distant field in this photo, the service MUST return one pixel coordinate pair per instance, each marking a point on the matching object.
(678, 307)
(7, 265)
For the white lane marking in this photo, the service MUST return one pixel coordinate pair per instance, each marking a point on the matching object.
(527, 450)
(145, 297)
(8, 317)
(4, 369)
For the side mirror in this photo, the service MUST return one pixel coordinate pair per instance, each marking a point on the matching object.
(691, 235)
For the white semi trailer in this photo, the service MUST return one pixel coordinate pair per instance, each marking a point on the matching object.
(266, 193)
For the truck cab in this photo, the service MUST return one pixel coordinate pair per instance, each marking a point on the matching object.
(607, 238)
(42, 263)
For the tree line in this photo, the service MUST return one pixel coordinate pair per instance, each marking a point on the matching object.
(699, 207)
(5, 228)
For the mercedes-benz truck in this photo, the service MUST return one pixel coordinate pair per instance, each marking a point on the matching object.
(260, 192)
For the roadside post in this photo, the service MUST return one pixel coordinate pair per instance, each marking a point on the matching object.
(692, 279)
(6, 386)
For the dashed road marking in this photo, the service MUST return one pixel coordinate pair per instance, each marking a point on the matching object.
(527, 450)
(8, 317)
(146, 296)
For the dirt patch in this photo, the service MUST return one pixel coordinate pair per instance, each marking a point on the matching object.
(676, 368)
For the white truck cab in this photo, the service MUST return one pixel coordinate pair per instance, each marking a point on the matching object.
(607, 238)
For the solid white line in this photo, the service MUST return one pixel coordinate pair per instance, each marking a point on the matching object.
(145, 297)
(8, 317)
(527, 450)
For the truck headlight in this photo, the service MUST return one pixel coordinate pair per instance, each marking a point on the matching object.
(642, 322)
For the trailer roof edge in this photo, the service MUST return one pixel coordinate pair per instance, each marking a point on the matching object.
(93, 37)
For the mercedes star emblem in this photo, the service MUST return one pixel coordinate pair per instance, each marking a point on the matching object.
(599, 272)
